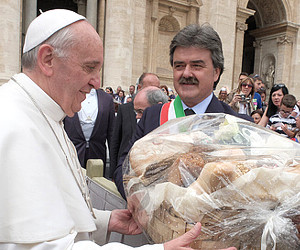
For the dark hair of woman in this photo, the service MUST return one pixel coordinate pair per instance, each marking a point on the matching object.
(272, 109)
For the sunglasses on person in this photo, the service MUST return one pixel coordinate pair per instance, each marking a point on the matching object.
(247, 85)
(280, 85)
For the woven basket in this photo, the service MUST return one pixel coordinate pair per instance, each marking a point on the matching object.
(166, 225)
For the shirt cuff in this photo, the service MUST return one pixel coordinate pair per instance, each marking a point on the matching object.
(100, 236)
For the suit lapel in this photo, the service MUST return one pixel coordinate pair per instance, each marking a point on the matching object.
(77, 125)
(215, 106)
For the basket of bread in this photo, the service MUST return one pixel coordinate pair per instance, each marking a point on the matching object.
(240, 180)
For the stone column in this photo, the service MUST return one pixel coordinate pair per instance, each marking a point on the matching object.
(285, 53)
(192, 15)
(241, 26)
(30, 12)
(81, 5)
(101, 19)
(91, 12)
(153, 38)
(118, 44)
(10, 42)
(257, 44)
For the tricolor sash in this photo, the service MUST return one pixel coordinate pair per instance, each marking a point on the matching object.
(171, 110)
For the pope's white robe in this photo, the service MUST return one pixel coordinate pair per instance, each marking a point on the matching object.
(41, 206)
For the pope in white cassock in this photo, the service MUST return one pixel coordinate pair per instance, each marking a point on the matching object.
(44, 199)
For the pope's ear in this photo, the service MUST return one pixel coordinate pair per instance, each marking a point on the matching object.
(45, 58)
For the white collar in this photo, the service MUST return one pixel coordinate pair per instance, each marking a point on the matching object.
(201, 107)
(45, 102)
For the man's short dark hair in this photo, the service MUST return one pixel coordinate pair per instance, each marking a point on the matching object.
(244, 74)
(262, 90)
(256, 77)
(204, 37)
(289, 101)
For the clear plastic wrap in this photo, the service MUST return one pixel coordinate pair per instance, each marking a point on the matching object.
(240, 180)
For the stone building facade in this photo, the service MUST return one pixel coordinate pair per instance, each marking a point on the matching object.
(259, 36)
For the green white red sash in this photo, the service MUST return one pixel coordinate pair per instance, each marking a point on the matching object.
(171, 110)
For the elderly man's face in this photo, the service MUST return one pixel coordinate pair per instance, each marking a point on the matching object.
(77, 74)
(194, 74)
(140, 104)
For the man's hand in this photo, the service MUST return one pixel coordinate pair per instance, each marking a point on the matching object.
(121, 221)
(183, 242)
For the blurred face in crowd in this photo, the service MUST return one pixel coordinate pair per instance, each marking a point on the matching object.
(256, 117)
(247, 87)
(75, 75)
(164, 90)
(285, 111)
(131, 90)
(193, 74)
(241, 78)
(140, 103)
(108, 91)
(119, 89)
(263, 97)
(129, 99)
(258, 84)
(223, 95)
(277, 97)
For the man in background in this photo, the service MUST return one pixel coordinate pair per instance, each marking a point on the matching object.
(131, 93)
(126, 121)
(148, 97)
(92, 126)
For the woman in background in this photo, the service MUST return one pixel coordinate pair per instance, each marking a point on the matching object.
(240, 99)
(223, 94)
(276, 95)
(165, 89)
(120, 98)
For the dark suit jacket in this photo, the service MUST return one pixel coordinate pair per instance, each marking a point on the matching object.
(102, 130)
(124, 129)
(150, 121)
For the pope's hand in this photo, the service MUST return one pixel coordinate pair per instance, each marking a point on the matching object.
(183, 242)
(121, 221)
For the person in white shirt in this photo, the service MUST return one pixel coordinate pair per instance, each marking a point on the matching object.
(130, 94)
(44, 199)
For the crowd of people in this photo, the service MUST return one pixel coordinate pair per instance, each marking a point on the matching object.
(280, 113)
(44, 199)
(120, 96)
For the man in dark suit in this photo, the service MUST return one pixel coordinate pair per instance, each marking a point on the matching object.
(125, 122)
(197, 60)
(92, 126)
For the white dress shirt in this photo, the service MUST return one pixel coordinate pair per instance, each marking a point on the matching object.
(88, 114)
(201, 107)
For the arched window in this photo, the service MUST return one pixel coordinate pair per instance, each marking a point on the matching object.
(168, 24)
